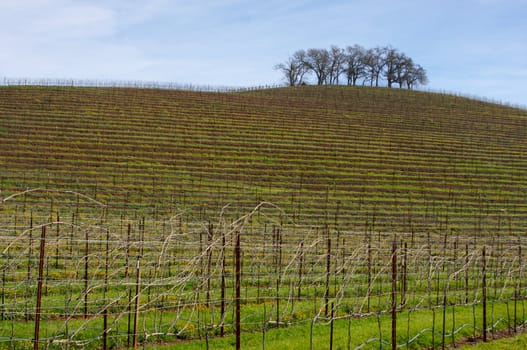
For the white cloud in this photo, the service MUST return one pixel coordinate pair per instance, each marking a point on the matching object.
(55, 19)
(63, 38)
(74, 22)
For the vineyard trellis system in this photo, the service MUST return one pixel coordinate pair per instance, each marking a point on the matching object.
(392, 210)
(75, 276)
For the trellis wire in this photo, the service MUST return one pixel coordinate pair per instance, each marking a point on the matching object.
(301, 277)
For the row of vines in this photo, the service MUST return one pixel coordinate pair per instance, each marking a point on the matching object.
(94, 281)
(394, 160)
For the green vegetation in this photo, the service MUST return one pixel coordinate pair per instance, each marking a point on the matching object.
(142, 194)
(514, 343)
(405, 160)
(351, 333)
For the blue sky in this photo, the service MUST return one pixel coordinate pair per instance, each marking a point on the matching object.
(474, 47)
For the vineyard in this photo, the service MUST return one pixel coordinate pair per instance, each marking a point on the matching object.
(307, 217)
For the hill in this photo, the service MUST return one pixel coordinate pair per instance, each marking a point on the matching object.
(354, 158)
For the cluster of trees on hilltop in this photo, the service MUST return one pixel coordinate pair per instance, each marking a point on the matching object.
(352, 66)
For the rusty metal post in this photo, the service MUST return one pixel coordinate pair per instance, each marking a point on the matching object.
(86, 267)
(394, 296)
(328, 274)
(222, 306)
(39, 288)
(137, 295)
(484, 295)
(105, 314)
(237, 255)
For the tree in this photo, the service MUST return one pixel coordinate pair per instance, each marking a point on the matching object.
(393, 61)
(374, 63)
(404, 67)
(354, 64)
(416, 75)
(294, 68)
(337, 64)
(318, 61)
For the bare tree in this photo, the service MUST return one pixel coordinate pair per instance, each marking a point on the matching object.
(356, 63)
(294, 68)
(416, 75)
(337, 65)
(406, 72)
(403, 69)
(392, 64)
(354, 67)
(374, 63)
(318, 61)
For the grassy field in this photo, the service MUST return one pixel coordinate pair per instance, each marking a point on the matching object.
(143, 192)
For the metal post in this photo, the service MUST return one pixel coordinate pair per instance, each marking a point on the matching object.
(39, 290)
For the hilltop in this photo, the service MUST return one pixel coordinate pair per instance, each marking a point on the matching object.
(349, 157)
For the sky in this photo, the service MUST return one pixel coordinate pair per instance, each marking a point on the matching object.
(471, 47)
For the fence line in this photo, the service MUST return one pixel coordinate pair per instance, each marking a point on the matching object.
(143, 84)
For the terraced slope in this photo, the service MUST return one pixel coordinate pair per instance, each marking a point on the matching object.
(356, 158)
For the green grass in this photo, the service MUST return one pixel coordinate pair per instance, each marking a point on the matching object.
(518, 342)
(415, 327)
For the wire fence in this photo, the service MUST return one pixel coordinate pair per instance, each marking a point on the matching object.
(75, 274)
(143, 84)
